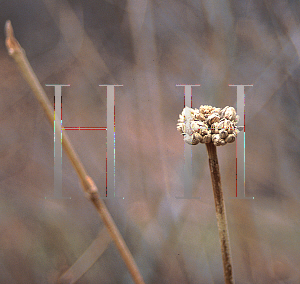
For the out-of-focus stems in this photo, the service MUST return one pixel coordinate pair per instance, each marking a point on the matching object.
(18, 54)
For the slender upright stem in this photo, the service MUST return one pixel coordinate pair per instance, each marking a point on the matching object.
(220, 211)
(18, 54)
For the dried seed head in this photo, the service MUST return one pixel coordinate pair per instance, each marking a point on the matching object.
(208, 124)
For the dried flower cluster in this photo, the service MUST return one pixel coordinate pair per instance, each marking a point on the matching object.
(208, 124)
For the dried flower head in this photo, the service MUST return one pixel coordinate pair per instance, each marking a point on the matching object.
(214, 117)
(208, 124)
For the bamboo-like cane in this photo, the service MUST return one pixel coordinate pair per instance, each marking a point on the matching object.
(220, 211)
(18, 54)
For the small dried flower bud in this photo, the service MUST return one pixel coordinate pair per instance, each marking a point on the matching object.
(225, 124)
(188, 118)
(180, 127)
(206, 138)
(212, 119)
(223, 133)
(203, 131)
(193, 139)
(201, 117)
(205, 109)
(215, 110)
(230, 138)
(196, 138)
(228, 113)
(196, 125)
(181, 118)
(222, 112)
(216, 139)
(187, 139)
(214, 128)
(197, 114)
(230, 130)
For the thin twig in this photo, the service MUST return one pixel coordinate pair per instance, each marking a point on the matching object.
(18, 54)
(220, 211)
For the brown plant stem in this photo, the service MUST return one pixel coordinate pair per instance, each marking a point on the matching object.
(18, 54)
(220, 211)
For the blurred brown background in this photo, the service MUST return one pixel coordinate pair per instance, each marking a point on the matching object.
(149, 47)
